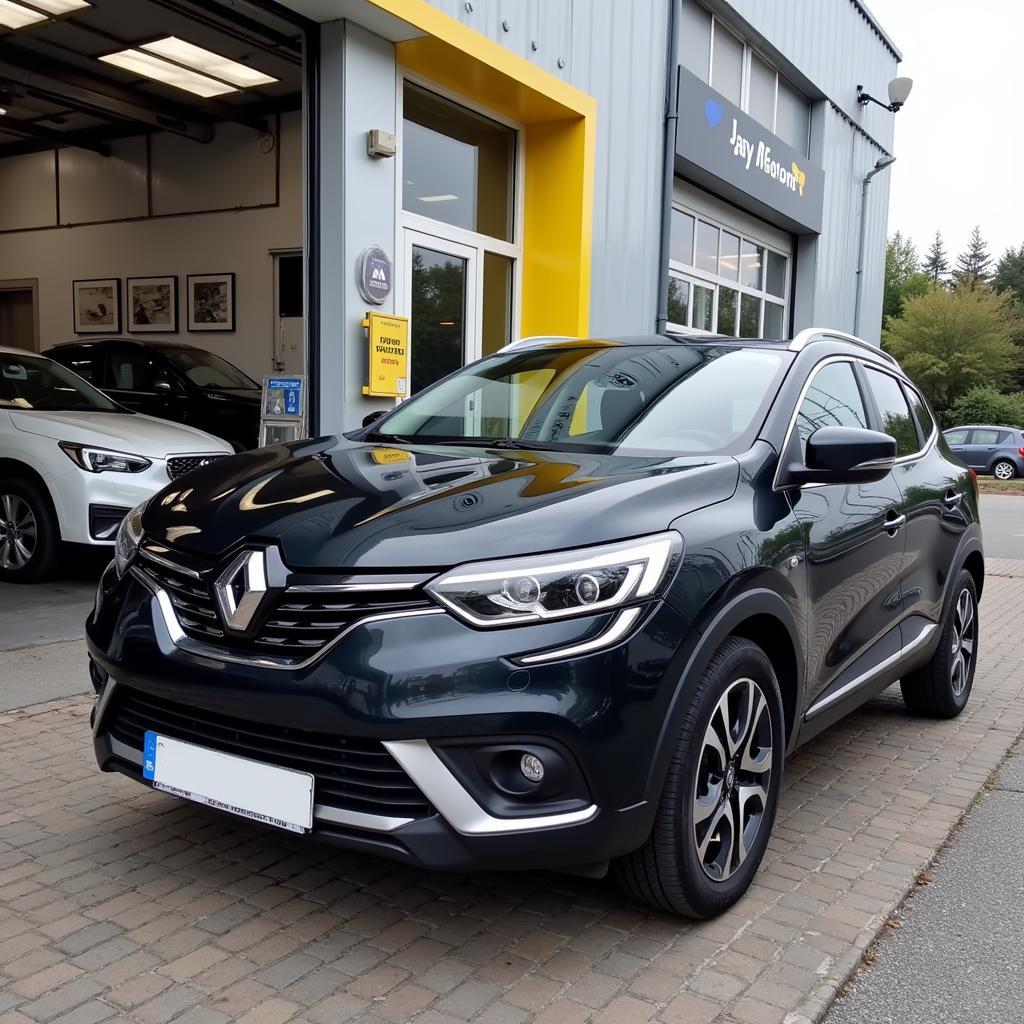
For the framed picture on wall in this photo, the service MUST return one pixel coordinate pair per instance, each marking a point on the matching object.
(211, 302)
(152, 304)
(97, 305)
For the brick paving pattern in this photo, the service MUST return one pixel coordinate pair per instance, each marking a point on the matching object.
(120, 903)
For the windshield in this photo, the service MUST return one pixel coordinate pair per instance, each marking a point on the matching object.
(34, 382)
(206, 370)
(683, 399)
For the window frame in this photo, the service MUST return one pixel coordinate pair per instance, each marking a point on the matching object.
(924, 446)
(717, 24)
(692, 275)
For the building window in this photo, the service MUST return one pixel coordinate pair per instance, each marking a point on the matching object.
(723, 282)
(732, 67)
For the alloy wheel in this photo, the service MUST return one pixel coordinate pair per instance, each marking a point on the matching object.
(18, 532)
(733, 781)
(962, 647)
(1003, 471)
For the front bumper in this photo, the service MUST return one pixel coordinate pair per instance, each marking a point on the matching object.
(423, 688)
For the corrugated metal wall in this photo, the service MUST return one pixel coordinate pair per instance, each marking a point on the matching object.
(615, 51)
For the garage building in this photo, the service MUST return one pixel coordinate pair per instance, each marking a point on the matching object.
(218, 174)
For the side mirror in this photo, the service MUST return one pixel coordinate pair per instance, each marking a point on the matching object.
(372, 417)
(164, 386)
(842, 455)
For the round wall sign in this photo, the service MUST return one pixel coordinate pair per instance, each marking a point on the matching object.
(374, 275)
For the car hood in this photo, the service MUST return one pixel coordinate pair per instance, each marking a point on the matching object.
(353, 505)
(123, 432)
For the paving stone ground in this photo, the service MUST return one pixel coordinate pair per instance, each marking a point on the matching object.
(121, 903)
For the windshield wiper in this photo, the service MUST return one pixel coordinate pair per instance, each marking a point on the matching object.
(455, 439)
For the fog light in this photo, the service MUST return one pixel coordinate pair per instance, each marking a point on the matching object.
(532, 767)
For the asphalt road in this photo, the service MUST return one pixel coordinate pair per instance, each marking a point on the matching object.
(1002, 519)
(956, 959)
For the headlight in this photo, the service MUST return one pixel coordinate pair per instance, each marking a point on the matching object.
(99, 460)
(129, 533)
(541, 587)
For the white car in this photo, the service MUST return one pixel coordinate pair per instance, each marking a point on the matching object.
(73, 463)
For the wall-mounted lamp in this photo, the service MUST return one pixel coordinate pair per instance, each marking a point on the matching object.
(899, 90)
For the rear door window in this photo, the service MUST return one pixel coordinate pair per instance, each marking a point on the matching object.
(894, 413)
(990, 436)
(921, 414)
(955, 436)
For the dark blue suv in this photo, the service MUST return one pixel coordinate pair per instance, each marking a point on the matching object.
(568, 608)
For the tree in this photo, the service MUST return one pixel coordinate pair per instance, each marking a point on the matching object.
(951, 341)
(1009, 275)
(986, 404)
(902, 276)
(936, 265)
(974, 264)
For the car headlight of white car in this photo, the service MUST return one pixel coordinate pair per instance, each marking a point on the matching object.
(129, 534)
(559, 585)
(100, 460)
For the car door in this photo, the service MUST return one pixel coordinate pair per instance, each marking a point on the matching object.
(932, 489)
(982, 447)
(854, 545)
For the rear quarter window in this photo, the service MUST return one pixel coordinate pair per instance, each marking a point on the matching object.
(893, 411)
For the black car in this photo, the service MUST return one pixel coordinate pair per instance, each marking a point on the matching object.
(171, 381)
(569, 607)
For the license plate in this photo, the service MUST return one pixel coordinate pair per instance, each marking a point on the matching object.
(262, 792)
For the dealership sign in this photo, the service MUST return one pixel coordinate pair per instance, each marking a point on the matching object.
(730, 153)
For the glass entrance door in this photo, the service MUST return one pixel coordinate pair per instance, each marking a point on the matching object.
(444, 320)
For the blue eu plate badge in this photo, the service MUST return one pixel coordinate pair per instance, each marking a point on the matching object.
(149, 756)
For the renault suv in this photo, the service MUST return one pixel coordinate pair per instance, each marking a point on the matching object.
(568, 608)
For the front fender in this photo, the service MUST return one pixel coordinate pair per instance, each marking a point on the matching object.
(766, 605)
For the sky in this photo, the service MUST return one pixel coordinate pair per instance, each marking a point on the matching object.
(960, 137)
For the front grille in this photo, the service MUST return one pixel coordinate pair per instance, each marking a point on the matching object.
(182, 464)
(351, 774)
(291, 623)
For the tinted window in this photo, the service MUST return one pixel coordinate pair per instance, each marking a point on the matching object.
(955, 436)
(990, 436)
(832, 400)
(206, 370)
(130, 369)
(896, 420)
(82, 361)
(921, 413)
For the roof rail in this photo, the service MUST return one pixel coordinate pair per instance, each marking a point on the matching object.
(809, 334)
(538, 337)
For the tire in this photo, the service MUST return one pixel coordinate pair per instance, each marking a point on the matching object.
(942, 688)
(1004, 469)
(29, 534)
(692, 863)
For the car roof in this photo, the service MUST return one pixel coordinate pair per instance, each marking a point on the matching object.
(980, 426)
(123, 341)
(835, 339)
(9, 351)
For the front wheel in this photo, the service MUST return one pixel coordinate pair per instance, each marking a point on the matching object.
(718, 805)
(1004, 470)
(942, 688)
(29, 535)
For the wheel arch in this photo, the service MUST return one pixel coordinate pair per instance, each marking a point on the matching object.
(974, 563)
(764, 617)
(18, 470)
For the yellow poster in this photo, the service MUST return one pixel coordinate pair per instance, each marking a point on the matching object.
(389, 356)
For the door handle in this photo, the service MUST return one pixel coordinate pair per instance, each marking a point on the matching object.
(893, 523)
(952, 499)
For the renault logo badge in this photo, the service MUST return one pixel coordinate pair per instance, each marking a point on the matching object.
(241, 588)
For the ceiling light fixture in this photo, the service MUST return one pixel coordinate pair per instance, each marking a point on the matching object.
(15, 16)
(446, 198)
(195, 57)
(149, 66)
(56, 7)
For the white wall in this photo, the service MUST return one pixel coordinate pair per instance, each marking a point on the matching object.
(91, 236)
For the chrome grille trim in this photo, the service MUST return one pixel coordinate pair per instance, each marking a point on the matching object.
(164, 608)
